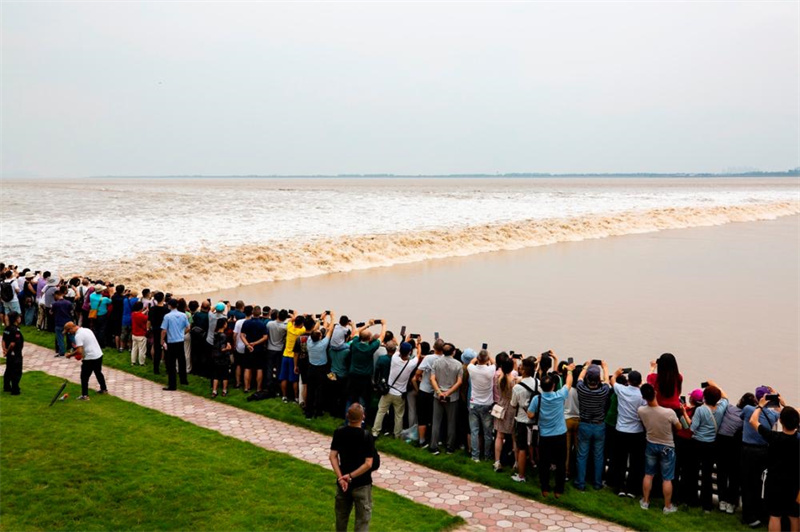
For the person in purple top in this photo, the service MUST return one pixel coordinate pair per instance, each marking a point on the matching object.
(41, 320)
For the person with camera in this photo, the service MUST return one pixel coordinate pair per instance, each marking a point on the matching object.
(631, 439)
(401, 368)
(362, 363)
(317, 346)
(526, 436)
(782, 488)
(593, 394)
(481, 379)
(548, 407)
(446, 379)
(755, 455)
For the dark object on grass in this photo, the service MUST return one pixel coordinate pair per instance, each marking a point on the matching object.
(260, 396)
(58, 393)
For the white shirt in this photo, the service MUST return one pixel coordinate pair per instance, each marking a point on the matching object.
(237, 333)
(13, 284)
(481, 378)
(91, 349)
(521, 398)
(401, 381)
(426, 366)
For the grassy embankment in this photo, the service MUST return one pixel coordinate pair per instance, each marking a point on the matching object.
(113, 465)
(601, 504)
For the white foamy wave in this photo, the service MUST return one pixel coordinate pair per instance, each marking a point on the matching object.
(213, 268)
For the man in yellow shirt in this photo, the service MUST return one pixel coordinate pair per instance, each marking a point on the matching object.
(288, 374)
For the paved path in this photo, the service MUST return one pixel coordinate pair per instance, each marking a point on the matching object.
(483, 508)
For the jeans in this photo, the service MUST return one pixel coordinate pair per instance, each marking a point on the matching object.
(29, 315)
(480, 417)
(87, 368)
(440, 409)
(61, 347)
(590, 437)
(362, 499)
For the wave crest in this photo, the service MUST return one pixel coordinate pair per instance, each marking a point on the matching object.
(213, 269)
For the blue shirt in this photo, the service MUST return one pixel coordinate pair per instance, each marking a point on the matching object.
(704, 426)
(99, 303)
(318, 351)
(175, 323)
(629, 399)
(127, 310)
(551, 414)
(766, 418)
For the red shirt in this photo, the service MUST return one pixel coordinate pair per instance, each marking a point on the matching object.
(139, 324)
(673, 402)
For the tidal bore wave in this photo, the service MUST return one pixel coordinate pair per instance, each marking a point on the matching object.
(209, 269)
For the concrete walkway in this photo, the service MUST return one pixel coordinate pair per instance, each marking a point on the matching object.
(481, 507)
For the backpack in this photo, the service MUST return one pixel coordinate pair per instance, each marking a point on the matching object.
(376, 458)
(6, 292)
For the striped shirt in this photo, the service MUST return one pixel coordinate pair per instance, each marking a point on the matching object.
(592, 402)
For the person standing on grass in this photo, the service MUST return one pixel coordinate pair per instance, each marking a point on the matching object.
(131, 298)
(351, 457)
(400, 370)
(362, 364)
(481, 380)
(592, 397)
(242, 357)
(782, 487)
(41, 316)
(138, 334)
(87, 349)
(155, 315)
(221, 360)
(504, 383)
(13, 342)
(631, 440)
(62, 314)
(425, 394)
(317, 345)
(705, 424)
(660, 451)
(254, 336)
(521, 396)
(9, 294)
(552, 429)
(173, 327)
(276, 344)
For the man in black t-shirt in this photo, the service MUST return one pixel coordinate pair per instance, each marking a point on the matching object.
(254, 337)
(155, 315)
(351, 455)
(783, 469)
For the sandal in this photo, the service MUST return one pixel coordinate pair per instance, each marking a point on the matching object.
(225, 393)
(213, 395)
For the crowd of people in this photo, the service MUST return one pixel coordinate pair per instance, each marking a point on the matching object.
(640, 435)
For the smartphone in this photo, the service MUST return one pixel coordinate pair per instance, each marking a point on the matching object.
(291, 311)
(704, 384)
(511, 353)
(570, 360)
(403, 331)
(773, 399)
(360, 324)
(597, 362)
(517, 356)
(378, 322)
(683, 399)
(414, 335)
(227, 302)
(436, 336)
(626, 370)
(327, 312)
(484, 346)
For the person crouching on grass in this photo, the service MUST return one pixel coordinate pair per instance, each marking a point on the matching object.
(221, 358)
(87, 349)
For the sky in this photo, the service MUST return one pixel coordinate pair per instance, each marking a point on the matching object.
(199, 88)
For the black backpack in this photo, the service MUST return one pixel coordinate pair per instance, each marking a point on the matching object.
(6, 292)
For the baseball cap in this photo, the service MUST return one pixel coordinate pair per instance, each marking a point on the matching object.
(220, 307)
(761, 391)
(406, 348)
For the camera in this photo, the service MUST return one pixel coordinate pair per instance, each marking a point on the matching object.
(378, 322)
(773, 399)
(597, 362)
(704, 384)
(484, 346)
(626, 370)
(360, 324)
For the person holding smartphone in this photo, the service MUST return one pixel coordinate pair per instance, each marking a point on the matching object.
(593, 394)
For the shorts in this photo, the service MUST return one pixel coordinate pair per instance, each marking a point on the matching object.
(781, 500)
(424, 408)
(222, 373)
(522, 435)
(12, 306)
(249, 360)
(287, 370)
(238, 358)
(125, 333)
(302, 366)
(659, 454)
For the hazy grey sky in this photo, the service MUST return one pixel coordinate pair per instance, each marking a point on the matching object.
(146, 88)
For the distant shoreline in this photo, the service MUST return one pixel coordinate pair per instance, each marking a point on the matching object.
(789, 173)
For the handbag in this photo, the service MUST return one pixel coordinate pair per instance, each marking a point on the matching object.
(92, 314)
(498, 411)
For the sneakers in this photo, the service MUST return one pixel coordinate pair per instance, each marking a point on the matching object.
(83, 398)
(436, 452)
(621, 494)
(285, 399)
(496, 466)
(476, 460)
(723, 506)
(730, 508)
(516, 478)
(671, 509)
(630, 495)
(754, 524)
(423, 445)
(102, 392)
(644, 505)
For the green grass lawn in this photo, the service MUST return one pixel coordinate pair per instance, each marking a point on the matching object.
(599, 504)
(112, 465)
